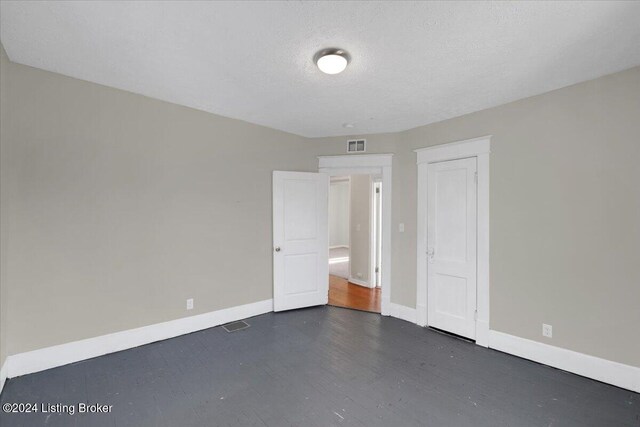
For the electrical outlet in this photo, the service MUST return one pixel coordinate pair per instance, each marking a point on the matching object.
(359, 275)
(547, 330)
(190, 304)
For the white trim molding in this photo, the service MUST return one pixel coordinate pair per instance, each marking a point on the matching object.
(370, 164)
(479, 148)
(618, 374)
(402, 312)
(372, 234)
(63, 354)
(359, 282)
(455, 150)
(355, 161)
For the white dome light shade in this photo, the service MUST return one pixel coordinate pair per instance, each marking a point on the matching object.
(332, 64)
(332, 61)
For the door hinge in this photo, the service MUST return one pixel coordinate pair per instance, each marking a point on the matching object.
(377, 270)
(377, 190)
(475, 177)
(475, 315)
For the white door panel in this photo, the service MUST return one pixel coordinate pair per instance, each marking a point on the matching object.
(300, 239)
(451, 246)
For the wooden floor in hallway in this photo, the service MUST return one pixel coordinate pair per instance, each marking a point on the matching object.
(347, 295)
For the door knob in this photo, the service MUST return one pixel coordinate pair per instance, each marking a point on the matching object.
(277, 249)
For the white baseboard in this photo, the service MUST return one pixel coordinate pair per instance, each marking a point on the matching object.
(618, 374)
(339, 246)
(403, 312)
(615, 373)
(359, 282)
(3, 373)
(51, 357)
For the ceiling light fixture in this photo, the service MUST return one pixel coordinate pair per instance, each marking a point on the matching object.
(332, 60)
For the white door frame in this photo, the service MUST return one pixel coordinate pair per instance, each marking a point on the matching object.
(479, 148)
(370, 164)
(373, 231)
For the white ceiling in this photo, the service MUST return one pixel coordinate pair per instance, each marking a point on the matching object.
(413, 63)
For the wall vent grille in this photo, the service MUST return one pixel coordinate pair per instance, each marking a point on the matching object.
(235, 326)
(356, 146)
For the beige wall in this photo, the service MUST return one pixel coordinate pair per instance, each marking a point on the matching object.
(359, 229)
(339, 213)
(565, 209)
(4, 85)
(113, 212)
(121, 207)
(565, 214)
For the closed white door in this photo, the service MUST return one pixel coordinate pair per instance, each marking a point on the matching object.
(451, 246)
(300, 240)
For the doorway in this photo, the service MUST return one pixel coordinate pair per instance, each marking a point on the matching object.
(378, 169)
(453, 238)
(301, 230)
(355, 241)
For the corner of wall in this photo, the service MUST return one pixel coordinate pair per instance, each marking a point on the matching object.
(4, 63)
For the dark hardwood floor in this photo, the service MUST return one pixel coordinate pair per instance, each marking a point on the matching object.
(347, 295)
(322, 366)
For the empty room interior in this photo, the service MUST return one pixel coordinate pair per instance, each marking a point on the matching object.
(315, 213)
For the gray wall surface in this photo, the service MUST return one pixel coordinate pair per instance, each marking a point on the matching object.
(116, 208)
(360, 219)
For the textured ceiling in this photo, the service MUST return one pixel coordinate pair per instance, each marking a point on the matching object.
(413, 63)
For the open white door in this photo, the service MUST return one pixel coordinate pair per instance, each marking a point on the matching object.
(451, 246)
(300, 240)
